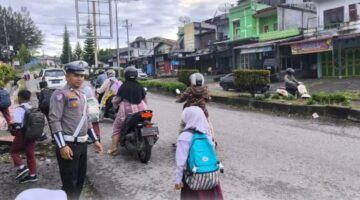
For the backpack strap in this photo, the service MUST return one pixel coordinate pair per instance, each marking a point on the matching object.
(82, 121)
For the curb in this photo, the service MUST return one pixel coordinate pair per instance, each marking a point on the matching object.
(337, 112)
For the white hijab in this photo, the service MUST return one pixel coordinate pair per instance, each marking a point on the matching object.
(194, 118)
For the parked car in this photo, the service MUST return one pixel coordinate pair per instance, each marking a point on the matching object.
(142, 75)
(228, 82)
(55, 77)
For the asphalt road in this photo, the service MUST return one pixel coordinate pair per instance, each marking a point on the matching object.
(265, 157)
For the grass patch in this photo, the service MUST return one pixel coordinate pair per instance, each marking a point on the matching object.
(338, 98)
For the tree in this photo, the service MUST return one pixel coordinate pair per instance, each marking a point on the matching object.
(24, 55)
(78, 53)
(105, 55)
(66, 50)
(89, 46)
(20, 29)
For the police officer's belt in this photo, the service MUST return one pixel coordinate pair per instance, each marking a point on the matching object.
(79, 139)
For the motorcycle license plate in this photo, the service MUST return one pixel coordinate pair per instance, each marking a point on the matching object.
(149, 131)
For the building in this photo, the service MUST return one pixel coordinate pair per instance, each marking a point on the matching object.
(262, 29)
(334, 45)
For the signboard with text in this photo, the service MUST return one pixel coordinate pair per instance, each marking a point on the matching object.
(312, 47)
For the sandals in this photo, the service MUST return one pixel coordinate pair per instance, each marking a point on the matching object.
(112, 152)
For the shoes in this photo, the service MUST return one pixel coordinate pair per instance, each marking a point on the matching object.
(21, 172)
(28, 179)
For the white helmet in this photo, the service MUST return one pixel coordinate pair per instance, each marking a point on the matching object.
(110, 73)
(197, 79)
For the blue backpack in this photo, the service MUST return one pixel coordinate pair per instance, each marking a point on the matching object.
(5, 100)
(203, 165)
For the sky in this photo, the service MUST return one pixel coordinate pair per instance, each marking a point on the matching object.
(148, 18)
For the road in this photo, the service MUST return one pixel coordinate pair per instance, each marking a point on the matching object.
(265, 157)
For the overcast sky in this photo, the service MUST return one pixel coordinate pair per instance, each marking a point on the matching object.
(149, 18)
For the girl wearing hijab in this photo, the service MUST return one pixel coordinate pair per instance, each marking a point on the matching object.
(194, 119)
(130, 98)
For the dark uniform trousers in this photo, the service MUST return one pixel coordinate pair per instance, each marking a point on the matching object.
(73, 172)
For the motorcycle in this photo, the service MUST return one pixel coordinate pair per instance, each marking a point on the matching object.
(302, 91)
(140, 134)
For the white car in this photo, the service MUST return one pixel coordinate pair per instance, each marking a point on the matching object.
(55, 77)
(142, 75)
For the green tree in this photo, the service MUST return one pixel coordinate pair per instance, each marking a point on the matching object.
(105, 55)
(78, 53)
(20, 29)
(89, 46)
(24, 55)
(66, 50)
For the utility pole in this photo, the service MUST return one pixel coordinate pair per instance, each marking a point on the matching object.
(117, 34)
(95, 40)
(127, 26)
(6, 38)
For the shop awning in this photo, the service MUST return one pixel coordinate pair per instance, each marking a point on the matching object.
(263, 46)
(309, 46)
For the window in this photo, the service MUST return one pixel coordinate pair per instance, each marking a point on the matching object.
(265, 29)
(353, 16)
(275, 27)
(333, 17)
(236, 25)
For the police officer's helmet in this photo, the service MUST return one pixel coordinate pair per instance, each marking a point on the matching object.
(110, 73)
(290, 71)
(75, 68)
(131, 73)
(197, 79)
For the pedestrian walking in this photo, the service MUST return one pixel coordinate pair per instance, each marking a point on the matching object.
(22, 144)
(197, 180)
(71, 128)
(44, 102)
(5, 103)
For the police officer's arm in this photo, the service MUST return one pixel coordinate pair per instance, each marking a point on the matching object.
(57, 104)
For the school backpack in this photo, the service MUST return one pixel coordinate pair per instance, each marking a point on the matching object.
(203, 165)
(44, 100)
(93, 109)
(34, 123)
(5, 100)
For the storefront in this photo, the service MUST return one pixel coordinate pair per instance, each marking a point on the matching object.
(304, 55)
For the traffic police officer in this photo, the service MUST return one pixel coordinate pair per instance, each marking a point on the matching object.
(71, 129)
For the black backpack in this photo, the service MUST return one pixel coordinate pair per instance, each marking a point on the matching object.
(44, 99)
(34, 123)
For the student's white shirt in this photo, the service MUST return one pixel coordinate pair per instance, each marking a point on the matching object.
(19, 113)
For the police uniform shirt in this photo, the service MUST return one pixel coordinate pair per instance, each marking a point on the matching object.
(66, 110)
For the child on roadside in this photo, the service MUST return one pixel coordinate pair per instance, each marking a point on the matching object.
(44, 102)
(21, 144)
(93, 109)
(5, 103)
(195, 121)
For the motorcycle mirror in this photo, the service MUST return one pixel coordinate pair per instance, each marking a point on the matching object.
(177, 91)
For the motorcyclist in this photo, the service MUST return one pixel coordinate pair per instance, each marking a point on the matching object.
(109, 88)
(100, 78)
(197, 94)
(291, 84)
(130, 98)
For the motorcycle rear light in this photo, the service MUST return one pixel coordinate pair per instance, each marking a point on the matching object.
(146, 115)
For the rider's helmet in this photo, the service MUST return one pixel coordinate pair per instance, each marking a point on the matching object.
(110, 73)
(131, 73)
(197, 79)
(290, 71)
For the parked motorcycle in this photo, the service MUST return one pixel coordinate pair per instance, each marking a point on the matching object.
(140, 134)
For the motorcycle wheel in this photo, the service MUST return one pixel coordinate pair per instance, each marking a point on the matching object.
(145, 153)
